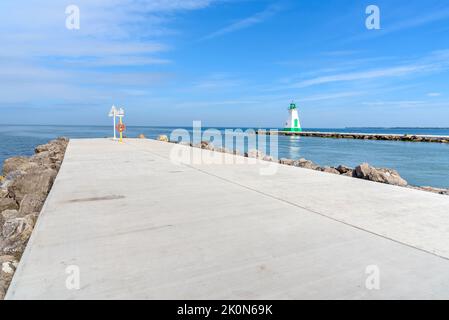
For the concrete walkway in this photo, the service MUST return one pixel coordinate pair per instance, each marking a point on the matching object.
(137, 225)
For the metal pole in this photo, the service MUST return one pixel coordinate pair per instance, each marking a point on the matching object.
(115, 137)
(121, 132)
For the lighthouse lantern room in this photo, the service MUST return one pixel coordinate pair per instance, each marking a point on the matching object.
(293, 123)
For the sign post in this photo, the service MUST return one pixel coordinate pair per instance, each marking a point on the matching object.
(113, 113)
(121, 126)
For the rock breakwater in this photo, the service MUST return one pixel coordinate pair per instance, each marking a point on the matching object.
(362, 136)
(363, 171)
(25, 185)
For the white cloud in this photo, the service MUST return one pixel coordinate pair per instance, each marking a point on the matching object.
(363, 75)
(246, 22)
(434, 94)
(434, 62)
(332, 96)
(218, 81)
(41, 59)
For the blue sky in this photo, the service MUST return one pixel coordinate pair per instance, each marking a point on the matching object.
(225, 62)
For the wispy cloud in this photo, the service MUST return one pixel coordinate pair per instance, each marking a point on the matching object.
(246, 22)
(436, 61)
(118, 43)
(364, 75)
(332, 96)
(218, 81)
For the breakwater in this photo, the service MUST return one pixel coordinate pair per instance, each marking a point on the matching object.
(361, 136)
(362, 171)
(24, 187)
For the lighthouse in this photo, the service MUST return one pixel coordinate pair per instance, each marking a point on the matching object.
(293, 123)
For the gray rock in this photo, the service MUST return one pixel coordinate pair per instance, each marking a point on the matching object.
(19, 229)
(13, 248)
(330, 170)
(348, 174)
(9, 214)
(31, 203)
(12, 176)
(8, 266)
(22, 164)
(48, 159)
(345, 170)
(288, 162)
(382, 175)
(254, 154)
(3, 192)
(56, 146)
(307, 164)
(36, 182)
(7, 203)
(5, 216)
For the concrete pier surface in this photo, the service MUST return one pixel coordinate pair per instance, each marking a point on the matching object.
(138, 226)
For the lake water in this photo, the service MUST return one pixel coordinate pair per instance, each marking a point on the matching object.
(421, 164)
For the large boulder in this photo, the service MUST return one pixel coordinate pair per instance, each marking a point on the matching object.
(38, 182)
(307, 164)
(329, 170)
(383, 175)
(345, 170)
(21, 164)
(8, 266)
(19, 229)
(9, 214)
(7, 204)
(50, 155)
(46, 159)
(31, 203)
(287, 162)
(5, 216)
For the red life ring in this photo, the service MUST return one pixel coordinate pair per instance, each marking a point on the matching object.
(120, 127)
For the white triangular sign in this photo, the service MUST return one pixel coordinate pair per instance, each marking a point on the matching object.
(113, 111)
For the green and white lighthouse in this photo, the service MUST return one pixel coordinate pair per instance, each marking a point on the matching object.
(293, 124)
